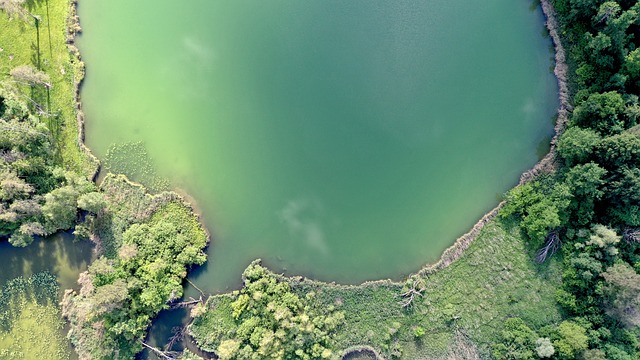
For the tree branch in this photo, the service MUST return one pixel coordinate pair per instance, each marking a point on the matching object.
(550, 247)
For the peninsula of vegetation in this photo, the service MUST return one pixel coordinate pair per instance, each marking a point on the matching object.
(552, 273)
(144, 243)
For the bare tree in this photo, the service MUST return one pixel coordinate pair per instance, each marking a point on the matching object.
(187, 303)
(16, 8)
(551, 245)
(631, 235)
(414, 290)
(29, 75)
(168, 355)
(179, 333)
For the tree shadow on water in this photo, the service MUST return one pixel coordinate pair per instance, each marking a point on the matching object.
(57, 254)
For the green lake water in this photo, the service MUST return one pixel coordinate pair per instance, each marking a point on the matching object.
(340, 140)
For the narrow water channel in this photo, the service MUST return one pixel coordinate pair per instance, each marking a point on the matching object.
(58, 254)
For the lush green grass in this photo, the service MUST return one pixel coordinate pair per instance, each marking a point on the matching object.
(19, 43)
(463, 307)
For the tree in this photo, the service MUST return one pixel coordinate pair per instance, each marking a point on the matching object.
(585, 181)
(577, 145)
(594, 354)
(541, 218)
(600, 46)
(12, 187)
(632, 66)
(14, 8)
(228, 349)
(519, 199)
(582, 10)
(517, 341)
(607, 11)
(623, 294)
(60, 209)
(601, 112)
(544, 348)
(624, 188)
(617, 24)
(272, 321)
(19, 239)
(28, 75)
(586, 184)
(616, 151)
(572, 339)
(109, 297)
(604, 239)
(93, 202)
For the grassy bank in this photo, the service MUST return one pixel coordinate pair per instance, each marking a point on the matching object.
(46, 48)
(147, 242)
(462, 307)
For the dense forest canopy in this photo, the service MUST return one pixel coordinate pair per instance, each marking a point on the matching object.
(590, 208)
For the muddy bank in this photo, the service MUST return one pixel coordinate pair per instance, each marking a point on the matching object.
(361, 353)
(73, 29)
(561, 71)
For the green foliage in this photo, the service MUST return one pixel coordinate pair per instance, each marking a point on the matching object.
(623, 292)
(586, 183)
(571, 340)
(540, 208)
(618, 151)
(122, 293)
(270, 320)
(494, 280)
(602, 112)
(577, 145)
(61, 205)
(39, 198)
(93, 202)
(517, 342)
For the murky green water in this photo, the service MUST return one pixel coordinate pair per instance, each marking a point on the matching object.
(57, 254)
(342, 140)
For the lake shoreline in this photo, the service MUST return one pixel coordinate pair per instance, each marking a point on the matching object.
(73, 29)
(456, 250)
(547, 164)
(462, 243)
(544, 166)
